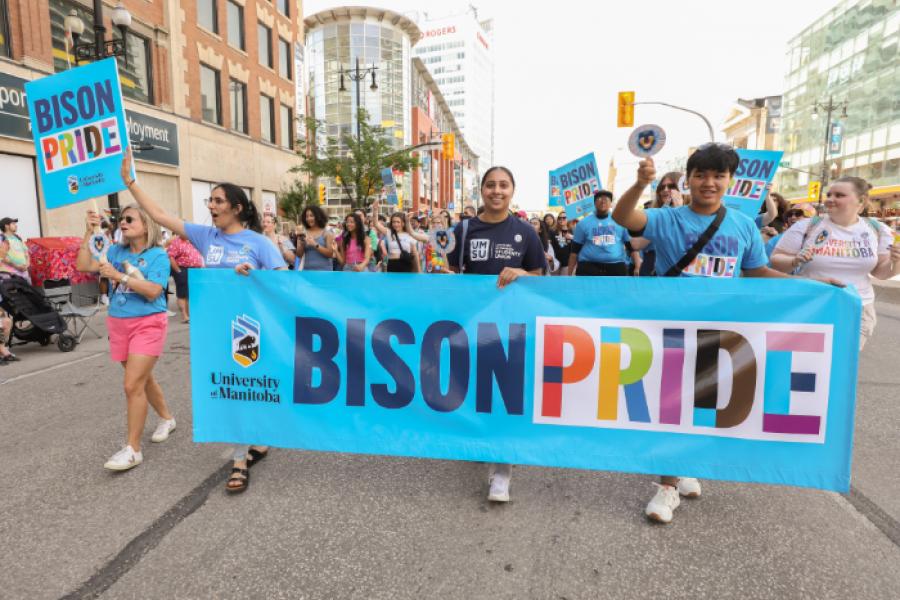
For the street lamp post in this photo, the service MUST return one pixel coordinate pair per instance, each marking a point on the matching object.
(100, 49)
(829, 109)
(356, 76)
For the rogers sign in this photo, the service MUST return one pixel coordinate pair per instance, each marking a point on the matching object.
(440, 31)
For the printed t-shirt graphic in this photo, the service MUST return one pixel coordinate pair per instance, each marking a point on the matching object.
(602, 240)
(493, 246)
(737, 244)
(847, 254)
(221, 250)
(153, 263)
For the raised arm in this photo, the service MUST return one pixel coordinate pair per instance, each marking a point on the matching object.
(626, 213)
(156, 212)
(771, 208)
(376, 223)
(84, 261)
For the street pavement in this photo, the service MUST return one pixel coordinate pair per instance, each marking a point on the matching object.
(317, 525)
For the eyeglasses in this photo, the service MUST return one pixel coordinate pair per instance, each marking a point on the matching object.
(129, 220)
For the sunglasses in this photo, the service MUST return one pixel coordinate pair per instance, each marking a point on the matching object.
(129, 219)
(796, 213)
(669, 186)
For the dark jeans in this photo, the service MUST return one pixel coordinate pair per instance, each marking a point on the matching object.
(593, 269)
(648, 267)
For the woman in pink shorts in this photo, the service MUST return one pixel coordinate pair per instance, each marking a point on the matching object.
(138, 267)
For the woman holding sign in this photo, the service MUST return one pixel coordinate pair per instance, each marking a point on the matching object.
(842, 245)
(139, 269)
(233, 242)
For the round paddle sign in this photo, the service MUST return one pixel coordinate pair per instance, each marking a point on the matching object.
(647, 140)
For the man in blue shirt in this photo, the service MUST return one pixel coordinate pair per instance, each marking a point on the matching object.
(734, 250)
(600, 246)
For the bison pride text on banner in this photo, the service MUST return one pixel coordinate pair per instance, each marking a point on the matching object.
(746, 380)
(79, 129)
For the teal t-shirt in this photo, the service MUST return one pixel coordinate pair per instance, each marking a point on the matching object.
(153, 263)
(602, 240)
(737, 244)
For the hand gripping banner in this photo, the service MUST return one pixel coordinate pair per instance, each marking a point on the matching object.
(742, 380)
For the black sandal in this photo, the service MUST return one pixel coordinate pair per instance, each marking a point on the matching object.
(254, 456)
(241, 476)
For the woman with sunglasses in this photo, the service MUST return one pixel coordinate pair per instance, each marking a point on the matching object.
(138, 267)
(667, 196)
(233, 242)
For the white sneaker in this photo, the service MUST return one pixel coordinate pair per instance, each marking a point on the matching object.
(664, 502)
(170, 313)
(499, 487)
(689, 487)
(104, 300)
(165, 427)
(124, 459)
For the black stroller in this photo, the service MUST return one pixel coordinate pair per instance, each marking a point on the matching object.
(34, 318)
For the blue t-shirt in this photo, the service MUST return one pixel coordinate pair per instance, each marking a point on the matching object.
(770, 245)
(228, 250)
(602, 240)
(737, 244)
(493, 246)
(153, 263)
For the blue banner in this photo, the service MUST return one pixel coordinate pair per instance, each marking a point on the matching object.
(576, 184)
(743, 380)
(555, 194)
(78, 123)
(390, 186)
(747, 190)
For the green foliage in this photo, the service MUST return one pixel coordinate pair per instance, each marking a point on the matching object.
(294, 199)
(359, 164)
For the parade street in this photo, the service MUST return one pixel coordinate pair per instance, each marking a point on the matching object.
(317, 525)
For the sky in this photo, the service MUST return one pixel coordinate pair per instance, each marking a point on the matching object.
(558, 71)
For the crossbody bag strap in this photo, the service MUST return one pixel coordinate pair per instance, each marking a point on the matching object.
(462, 248)
(698, 246)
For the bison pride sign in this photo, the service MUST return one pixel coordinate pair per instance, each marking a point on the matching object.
(79, 132)
(575, 184)
(746, 380)
(747, 189)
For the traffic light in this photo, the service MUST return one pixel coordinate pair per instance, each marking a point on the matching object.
(626, 109)
(813, 191)
(321, 193)
(448, 146)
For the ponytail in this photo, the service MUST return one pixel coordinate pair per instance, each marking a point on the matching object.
(249, 214)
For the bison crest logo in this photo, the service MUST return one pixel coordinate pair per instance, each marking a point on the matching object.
(245, 340)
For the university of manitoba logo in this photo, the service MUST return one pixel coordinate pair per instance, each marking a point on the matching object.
(72, 181)
(245, 340)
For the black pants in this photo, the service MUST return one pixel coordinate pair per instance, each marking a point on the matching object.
(593, 269)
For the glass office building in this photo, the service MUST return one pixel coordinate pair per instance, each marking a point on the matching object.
(335, 40)
(850, 54)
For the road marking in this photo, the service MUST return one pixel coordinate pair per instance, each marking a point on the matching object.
(873, 513)
(129, 556)
(53, 368)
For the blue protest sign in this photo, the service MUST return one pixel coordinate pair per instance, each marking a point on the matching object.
(79, 128)
(390, 186)
(578, 181)
(555, 194)
(747, 190)
(744, 380)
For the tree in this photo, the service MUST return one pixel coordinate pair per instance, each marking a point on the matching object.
(357, 166)
(294, 199)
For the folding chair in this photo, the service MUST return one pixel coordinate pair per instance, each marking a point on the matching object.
(80, 307)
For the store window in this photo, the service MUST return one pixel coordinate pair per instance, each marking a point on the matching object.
(63, 54)
(236, 25)
(287, 127)
(5, 48)
(136, 74)
(210, 97)
(267, 118)
(264, 37)
(284, 58)
(208, 15)
(237, 96)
